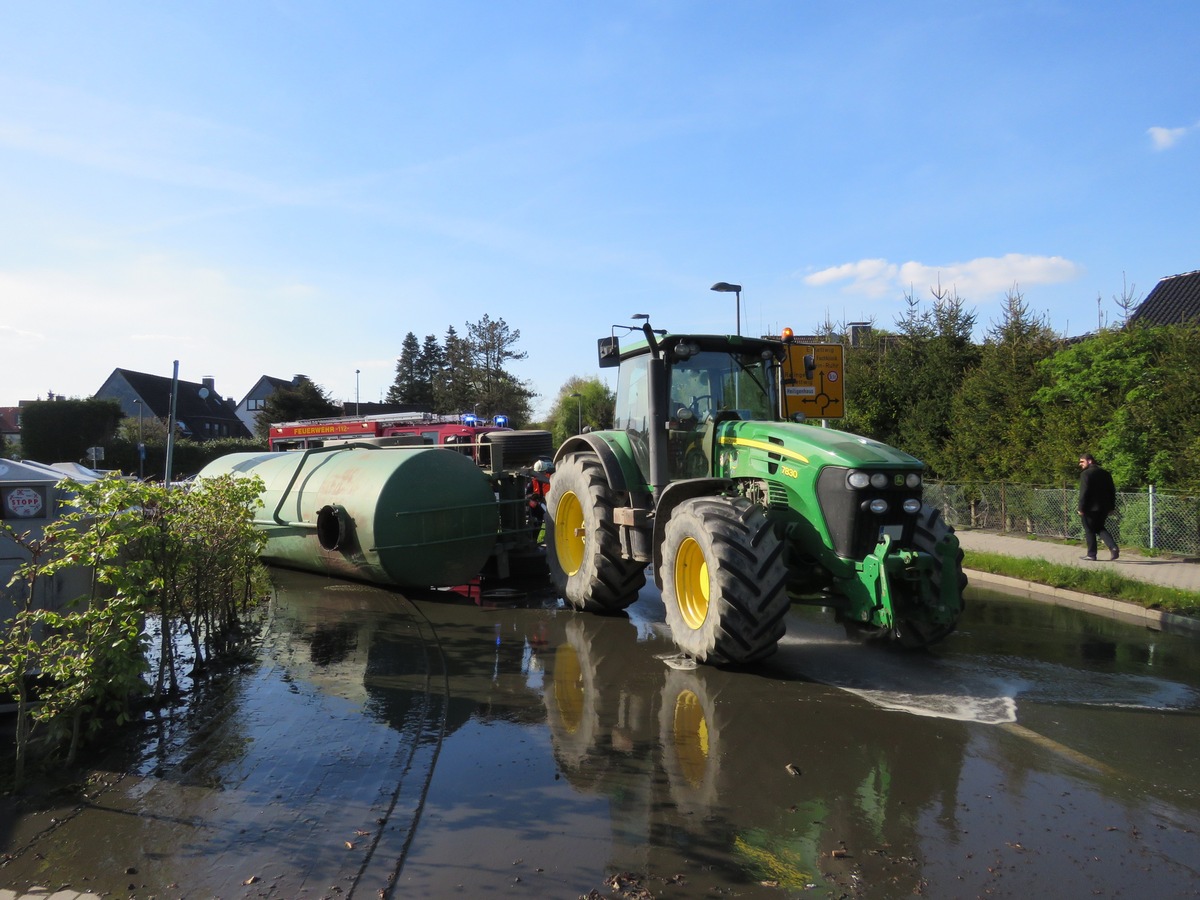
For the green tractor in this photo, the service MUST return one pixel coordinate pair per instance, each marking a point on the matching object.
(741, 507)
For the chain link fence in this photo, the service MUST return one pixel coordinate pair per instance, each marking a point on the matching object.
(1151, 519)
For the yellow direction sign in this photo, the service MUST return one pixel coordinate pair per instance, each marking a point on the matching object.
(812, 381)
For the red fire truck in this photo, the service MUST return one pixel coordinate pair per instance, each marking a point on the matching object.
(475, 437)
(428, 428)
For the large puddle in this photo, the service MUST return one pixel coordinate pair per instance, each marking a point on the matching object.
(498, 745)
(1007, 656)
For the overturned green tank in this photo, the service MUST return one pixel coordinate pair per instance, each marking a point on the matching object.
(400, 516)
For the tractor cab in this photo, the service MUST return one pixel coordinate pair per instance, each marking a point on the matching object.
(677, 389)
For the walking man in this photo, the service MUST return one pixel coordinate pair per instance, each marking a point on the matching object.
(1097, 499)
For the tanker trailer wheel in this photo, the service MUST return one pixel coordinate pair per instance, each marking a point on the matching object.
(930, 531)
(582, 547)
(723, 580)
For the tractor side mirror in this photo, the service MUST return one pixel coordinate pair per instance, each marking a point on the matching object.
(810, 366)
(609, 349)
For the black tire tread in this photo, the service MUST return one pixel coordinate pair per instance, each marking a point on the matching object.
(606, 583)
(931, 529)
(748, 580)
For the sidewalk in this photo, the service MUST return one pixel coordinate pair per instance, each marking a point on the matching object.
(1166, 571)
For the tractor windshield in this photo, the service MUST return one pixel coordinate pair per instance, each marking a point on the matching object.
(711, 380)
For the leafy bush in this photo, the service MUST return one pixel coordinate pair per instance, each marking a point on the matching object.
(189, 558)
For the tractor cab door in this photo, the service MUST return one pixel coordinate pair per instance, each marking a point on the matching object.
(690, 406)
(631, 413)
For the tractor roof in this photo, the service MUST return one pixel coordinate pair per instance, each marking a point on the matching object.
(711, 342)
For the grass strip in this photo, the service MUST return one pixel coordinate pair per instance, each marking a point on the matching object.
(1102, 583)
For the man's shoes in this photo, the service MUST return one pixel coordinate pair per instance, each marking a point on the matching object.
(1088, 558)
(1116, 554)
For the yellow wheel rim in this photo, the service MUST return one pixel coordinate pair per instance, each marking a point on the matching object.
(691, 583)
(568, 687)
(691, 737)
(569, 533)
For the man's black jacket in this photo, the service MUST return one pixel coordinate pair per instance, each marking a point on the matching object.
(1097, 494)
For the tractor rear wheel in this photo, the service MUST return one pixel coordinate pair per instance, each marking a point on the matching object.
(723, 580)
(931, 530)
(582, 547)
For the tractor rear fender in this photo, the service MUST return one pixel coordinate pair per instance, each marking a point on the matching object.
(616, 458)
(674, 494)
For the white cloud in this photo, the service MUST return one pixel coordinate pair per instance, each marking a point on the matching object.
(72, 327)
(975, 279)
(91, 131)
(154, 338)
(1165, 138)
(869, 275)
(19, 337)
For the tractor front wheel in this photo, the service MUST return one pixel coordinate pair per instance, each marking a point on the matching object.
(723, 580)
(930, 532)
(582, 546)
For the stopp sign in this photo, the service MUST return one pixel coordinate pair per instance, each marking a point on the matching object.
(23, 502)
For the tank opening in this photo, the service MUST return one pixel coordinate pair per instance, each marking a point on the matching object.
(332, 527)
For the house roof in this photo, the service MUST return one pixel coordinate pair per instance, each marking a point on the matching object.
(9, 416)
(271, 382)
(195, 403)
(1175, 299)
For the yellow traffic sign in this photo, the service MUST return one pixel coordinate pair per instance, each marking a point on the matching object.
(813, 381)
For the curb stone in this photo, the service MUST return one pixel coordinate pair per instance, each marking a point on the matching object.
(1115, 609)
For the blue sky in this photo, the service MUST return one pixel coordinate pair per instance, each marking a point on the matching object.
(270, 188)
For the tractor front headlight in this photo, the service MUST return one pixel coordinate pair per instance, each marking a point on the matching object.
(912, 480)
(878, 506)
(858, 480)
(879, 481)
(912, 505)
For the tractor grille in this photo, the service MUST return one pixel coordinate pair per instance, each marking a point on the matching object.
(854, 529)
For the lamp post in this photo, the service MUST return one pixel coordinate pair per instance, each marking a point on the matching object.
(724, 287)
(356, 371)
(141, 441)
(579, 399)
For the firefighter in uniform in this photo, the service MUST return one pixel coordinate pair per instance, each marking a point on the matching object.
(536, 489)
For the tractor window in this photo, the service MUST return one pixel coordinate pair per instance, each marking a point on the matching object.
(632, 412)
(633, 395)
(712, 381)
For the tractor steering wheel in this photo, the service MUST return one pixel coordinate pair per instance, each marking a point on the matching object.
(695, 404)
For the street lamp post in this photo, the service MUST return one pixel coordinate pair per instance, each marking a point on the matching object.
(579, 419)
(356, 371)
(725, 287)
(141, 442)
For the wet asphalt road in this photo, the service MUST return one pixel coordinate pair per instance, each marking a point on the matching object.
(440, 746)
